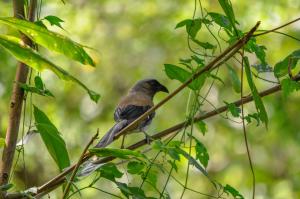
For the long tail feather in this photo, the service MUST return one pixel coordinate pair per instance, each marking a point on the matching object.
(89, 166)
(109, 136)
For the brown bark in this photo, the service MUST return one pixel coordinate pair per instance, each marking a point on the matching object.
(16, 102)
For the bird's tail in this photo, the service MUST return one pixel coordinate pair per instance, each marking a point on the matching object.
(89, 167)
(109, 136)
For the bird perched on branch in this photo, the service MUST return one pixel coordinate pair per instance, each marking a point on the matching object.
(138, 101)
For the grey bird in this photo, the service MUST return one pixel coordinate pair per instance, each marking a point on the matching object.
(138, 100)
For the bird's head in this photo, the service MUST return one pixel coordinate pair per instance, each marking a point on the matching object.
(149, 87)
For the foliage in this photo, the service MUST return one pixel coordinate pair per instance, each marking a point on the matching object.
(153, 174)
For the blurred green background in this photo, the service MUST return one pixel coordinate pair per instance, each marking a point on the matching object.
(133, 39)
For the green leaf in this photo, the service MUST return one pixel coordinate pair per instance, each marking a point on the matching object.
(221, 20)
(51, 137)
(118, 153)
(230, 190)
(39, 82)
(6, 187)
(260, 53)
(44, 92)
(201, 154)
(2, 142)
(40, 23)
(215, 77)
(173, 165)
(201, 126)
(205, 45)
(110, 172)
(254, 116)
(288, 86)
(51, 40)
(152, 176)
(135, 167)
(192, 161)
(33, 59)
(233, 109)
(198, 60)
(157, 145)
(173, 153)
(257, 100)
(136, 192)
(192, 26)
(175, 72)
(54, 21)
(234, 78)
(227, 8)
(281, 68)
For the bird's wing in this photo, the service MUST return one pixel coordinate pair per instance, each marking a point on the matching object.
(131, 112)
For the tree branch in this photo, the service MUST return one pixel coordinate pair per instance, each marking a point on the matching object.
(16, 100)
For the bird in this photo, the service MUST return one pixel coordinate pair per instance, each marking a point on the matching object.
(138, 100)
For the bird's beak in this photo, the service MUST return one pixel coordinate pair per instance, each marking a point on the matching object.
(163, 89)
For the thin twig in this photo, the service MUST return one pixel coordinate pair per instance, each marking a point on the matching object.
(244, 128)
(286, 24)
(67, 189)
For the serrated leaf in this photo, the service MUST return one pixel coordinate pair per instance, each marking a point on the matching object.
(281, 68)
(51, 40)
(175, 72)
(54, 20)
(257, 99)
(230, 190)
(135, 167)
(192, 26)
(201, 125)
(118, 153)
(288, 86)
(234, 78)
(51, 137)
(2, 142)
(33, 59)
